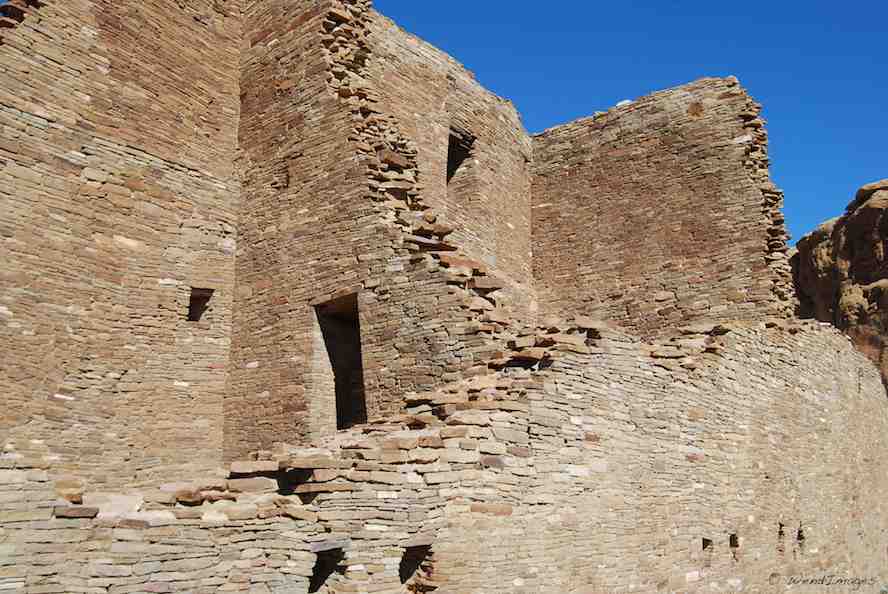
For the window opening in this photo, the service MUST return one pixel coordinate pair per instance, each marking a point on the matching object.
(459, 149)
(198, 303)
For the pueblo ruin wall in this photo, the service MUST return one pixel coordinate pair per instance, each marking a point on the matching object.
(661, 212)
(120, 196)
(291, 304)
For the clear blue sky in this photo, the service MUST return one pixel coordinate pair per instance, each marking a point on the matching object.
(819, 68)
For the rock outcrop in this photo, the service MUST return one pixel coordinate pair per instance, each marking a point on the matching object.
(841, 272)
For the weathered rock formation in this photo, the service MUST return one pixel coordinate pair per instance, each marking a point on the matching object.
(841, 272)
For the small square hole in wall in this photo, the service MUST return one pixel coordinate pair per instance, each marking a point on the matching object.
(198, 303)
(734, 543)
(707, 551)
(327, 564)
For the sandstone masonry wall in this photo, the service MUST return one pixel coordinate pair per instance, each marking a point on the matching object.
(118, 196)
(303, 221)
(602, 468)
(332, 207)
(661, 212)
(281, 164)
(488, 201)
(628, 470)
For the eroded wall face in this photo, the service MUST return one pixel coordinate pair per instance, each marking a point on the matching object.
(303, 223)
(345, 193)
(661, 212)
(740, 474)
(118, 196)
(487, 201)
(614, 468)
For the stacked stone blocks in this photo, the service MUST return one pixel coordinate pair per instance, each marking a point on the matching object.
(541, 415)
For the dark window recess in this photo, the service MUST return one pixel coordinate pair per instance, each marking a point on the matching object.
(342, 337)
(707, 551)
(198, 303)
(327, 563)
(800, 539)
(780, 536)
(413, 559)
(458, 150)
(734, 541)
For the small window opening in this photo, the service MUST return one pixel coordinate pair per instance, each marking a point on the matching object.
(780, 536)
(341, 330)
(327, 563)
(459, 150)
(707, 551)
(414, 560)
(734, 544)
(198, 303)
(800, 539)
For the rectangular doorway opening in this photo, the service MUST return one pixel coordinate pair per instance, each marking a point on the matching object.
(459, 149)
(341, 330)
(734, 544)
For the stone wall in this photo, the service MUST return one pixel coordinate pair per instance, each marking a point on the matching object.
(344, 193)
(326, 174)
(629, 470)
(118, 196)
(303, 223)
(661, 212)
(601, 469)
(278, 165)
(488, 200)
